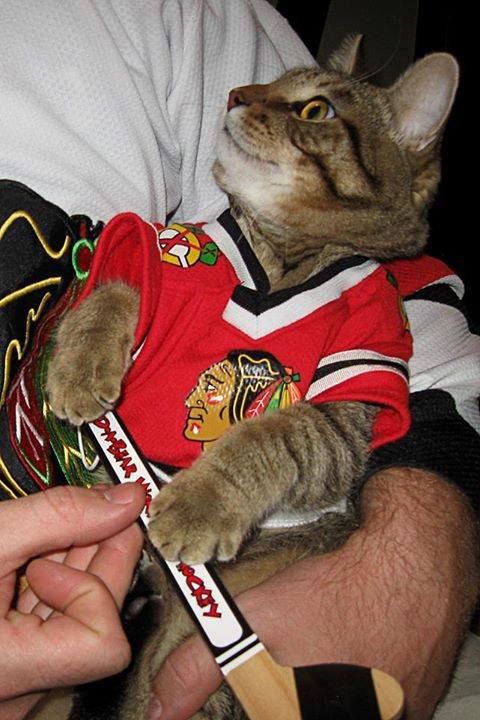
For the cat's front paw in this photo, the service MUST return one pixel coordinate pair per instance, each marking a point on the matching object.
(92, 354)
(195, 520)
(84, 382)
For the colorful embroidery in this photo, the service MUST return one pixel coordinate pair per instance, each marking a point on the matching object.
(82, 255)
(34, 430)
(180, 245)
(242, 385)
(210, 253)
(22, 215)
(279, 394)
(82, 251)
(18, 346)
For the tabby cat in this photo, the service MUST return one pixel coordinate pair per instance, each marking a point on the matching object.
(323, 170)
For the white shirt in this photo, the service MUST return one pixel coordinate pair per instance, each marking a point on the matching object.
(113, 105)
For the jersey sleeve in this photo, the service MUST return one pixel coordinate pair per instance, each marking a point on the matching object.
(127, 251)
(445, 380)
(367, 356)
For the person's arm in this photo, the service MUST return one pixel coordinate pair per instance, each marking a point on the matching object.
(400, 593)
(64, 628)
(397, 596)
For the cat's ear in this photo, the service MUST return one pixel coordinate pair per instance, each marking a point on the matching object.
(349, 57)
(422, 99)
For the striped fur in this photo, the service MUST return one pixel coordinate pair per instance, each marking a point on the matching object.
(305, 192)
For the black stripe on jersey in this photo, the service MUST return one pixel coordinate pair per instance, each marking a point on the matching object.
(256, 303)
(439, 440)
(257, 272)
(438, 292)
(330, 368)
(445, 294)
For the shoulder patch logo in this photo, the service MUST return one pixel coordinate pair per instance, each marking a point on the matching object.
(180, 245)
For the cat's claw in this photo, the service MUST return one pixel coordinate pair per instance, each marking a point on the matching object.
(92, 354)
(82, 387)
(190, 523)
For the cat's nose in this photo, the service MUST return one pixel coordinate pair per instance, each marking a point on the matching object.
(235, 98)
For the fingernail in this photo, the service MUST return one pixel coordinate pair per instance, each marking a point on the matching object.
(120, 494)
(154, 709)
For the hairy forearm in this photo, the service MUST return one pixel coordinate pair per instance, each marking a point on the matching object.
(397, 596)
(424, 537)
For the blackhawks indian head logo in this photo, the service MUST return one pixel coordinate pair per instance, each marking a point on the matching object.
(241, 386)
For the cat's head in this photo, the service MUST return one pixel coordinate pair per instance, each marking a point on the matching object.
(320, 157)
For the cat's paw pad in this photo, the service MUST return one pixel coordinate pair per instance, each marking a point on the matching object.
(83, 384)
(194, 525)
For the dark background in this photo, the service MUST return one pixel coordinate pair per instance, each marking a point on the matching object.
(396, 32)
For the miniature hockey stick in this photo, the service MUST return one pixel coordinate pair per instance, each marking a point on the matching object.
(265, 689)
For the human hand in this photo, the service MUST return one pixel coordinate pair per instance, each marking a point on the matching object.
(395, 597)
(64, 628)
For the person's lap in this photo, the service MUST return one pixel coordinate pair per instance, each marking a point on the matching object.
(461, 701)
(113, 115)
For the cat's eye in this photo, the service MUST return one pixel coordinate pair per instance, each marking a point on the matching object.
(316, 110)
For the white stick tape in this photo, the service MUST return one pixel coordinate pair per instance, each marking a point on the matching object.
(196, 583)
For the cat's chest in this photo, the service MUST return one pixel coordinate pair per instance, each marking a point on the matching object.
(212, 279)
(214, 264)
(222, 350)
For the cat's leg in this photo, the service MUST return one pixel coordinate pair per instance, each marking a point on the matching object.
(92, 353)
(300, 457)
(222, 705)
(174, 626)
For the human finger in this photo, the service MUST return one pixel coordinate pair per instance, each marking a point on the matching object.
(83, 640)
(62, 517)
(116, 559)
(186, 680)
(76, 557)
(113, 561)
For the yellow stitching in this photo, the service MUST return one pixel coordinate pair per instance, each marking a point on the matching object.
(21, 215)
(14, 345)
(29, 288)
(10, 479)
(74, 452)
(32, 316)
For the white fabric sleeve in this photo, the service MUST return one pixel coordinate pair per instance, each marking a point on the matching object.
(445, 387)
(114, 105)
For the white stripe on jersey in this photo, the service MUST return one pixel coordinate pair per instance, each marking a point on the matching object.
(361, 354)
(453, 281)
(337, 376)
(446, 355)
(297, 307)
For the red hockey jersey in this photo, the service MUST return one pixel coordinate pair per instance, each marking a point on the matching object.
(214, 346)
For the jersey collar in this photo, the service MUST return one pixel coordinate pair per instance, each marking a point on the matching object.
(227, 234)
